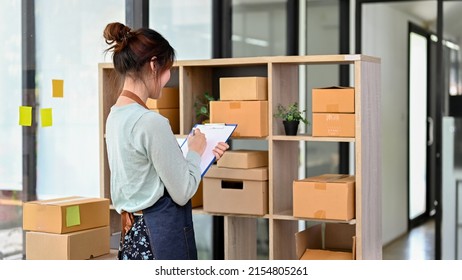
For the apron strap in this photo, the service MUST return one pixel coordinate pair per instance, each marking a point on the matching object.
(134, 97)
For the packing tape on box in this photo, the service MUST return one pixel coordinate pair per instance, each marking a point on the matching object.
(320, 214)
(64, 200)
(234, 105)
(332, 108)
(320, 186)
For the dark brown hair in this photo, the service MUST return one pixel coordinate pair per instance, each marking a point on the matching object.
(132, 49)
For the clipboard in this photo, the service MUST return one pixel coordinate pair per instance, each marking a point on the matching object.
(214, 133)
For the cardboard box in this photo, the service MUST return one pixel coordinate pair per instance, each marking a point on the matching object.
(169, 99)
(244, 192)
(254, 174)
(339, 242)
(244, 88)
(329, 196)
(333, 125)
(173, 116)
(333, 100)
(80, 245)
(197, 199)
(243, 159)
(68, 214)
(251, 117)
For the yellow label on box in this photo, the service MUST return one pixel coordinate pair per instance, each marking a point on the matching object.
(72, 216)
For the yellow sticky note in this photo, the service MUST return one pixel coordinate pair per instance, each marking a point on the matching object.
(46, 115)
(58, 88)
(25, 115)
(72, 216)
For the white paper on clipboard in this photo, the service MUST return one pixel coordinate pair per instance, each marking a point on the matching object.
(214, 133)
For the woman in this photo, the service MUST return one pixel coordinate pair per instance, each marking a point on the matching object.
(151, 181)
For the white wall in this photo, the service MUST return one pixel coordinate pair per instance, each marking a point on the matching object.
(385, 35)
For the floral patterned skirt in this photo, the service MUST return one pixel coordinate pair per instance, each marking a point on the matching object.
(135, 245)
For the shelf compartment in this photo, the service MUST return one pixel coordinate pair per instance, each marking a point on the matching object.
(240, 238)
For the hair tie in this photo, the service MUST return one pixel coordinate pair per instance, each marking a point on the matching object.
(127, 36)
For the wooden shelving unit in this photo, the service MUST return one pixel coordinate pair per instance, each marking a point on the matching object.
(193, 78)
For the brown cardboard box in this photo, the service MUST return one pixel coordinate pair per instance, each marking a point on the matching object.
(245, 191)
(333, 125)
(244, 88)
(170, 99)
(339, 242)
(329, 196)
(333, 100)
(197, 199)
(251, 117)
(68, 214)
(243, 159)
(173, 116)
(79, 245)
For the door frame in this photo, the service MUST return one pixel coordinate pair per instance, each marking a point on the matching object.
(414, 28)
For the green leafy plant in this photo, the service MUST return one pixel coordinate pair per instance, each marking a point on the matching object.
(290, 113)
(201, 106)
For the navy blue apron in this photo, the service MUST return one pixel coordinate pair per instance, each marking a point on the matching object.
(170, 229)
(164, 232)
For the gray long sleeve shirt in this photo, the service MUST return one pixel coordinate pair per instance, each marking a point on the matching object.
(144, 158)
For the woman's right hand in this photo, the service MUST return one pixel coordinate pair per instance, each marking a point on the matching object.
(197, 141)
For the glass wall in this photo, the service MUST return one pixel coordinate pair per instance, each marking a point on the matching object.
(187, 25)
(10, 131)
(258, 28)
(69, 46)
(322, 31)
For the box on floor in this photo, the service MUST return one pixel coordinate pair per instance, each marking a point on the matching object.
(63, 215)
(79, 245)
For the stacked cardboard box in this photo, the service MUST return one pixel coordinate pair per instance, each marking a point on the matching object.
(333, 112)
(238, 184)
(243, 101)
(339, 242)
(69, 228)
(328, 196)
(168, 105)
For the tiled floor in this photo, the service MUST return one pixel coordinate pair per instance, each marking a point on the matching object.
(418, 244)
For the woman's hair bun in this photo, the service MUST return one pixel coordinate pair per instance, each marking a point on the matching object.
(118, 34)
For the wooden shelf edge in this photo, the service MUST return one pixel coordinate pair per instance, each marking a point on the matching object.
(290, 218)
(10, 202)
(305, 137)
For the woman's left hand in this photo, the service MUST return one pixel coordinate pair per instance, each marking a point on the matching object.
(220, 149)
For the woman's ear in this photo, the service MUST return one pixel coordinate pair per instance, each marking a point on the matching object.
(153, 66)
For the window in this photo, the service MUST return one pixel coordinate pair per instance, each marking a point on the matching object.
(69, 46)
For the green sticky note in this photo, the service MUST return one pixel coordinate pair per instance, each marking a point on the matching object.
(46, 115)
(25, 115)
(58, 88)
(72, 216)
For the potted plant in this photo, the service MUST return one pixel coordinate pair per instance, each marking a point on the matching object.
(291, 117)
(201, 107)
